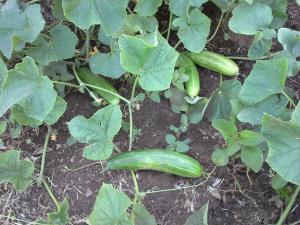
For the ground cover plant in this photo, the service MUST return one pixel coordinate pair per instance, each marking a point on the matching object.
(138, 87)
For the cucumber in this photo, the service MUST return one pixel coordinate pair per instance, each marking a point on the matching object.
(214, 62)
(187, 66)
(88, 77)
(166, 161)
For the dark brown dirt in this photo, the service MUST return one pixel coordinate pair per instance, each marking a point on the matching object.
(251, 205)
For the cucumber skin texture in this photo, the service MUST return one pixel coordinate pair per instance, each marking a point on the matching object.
(215, 62)
(166, 161)
(193, 84)
(88, 77)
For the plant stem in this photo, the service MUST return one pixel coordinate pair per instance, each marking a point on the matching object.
(250, 59)
(288, 208)
(289, 98)
(98, 88)
(32, 2)
(217, 28)
(51, 194)
(87, 43)
(41, 176)
(136, 186)
(169, 26)
(177, 44)
(65, 83)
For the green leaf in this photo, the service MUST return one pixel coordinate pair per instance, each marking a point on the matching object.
(57, 111)
(199, 217)
(273, 105)
(279, 11)
(197, 25)
(218, 107)
(262, 43)
(2, 127)
(142, 216)
(266, 78)
(61, 216)
(98, 131)
(110, 207)
(85, 13)
(12, 169)
(153, 65)
(141, 24)
(107, 64)
(58, 11)
(226, 128)
(293, 64)
(170, 139)
(248, 19)
(252, 157)
(277, 182)
(19, 26)
(147, 7)
(196, 111)
(181, 7)
(30, 90)
(296, 115)
(283, 139)
(222, 4)
(290, 40)
(250, 138)
(3, 73)
(181, 146)
(61, 46)
(298, 2)
(220, 157)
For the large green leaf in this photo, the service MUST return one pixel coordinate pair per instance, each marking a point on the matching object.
(3, 73)
(153, 64)
(199, 217)
(252, 157)
(58, 11)
(279, 11)
(98, 131)
(266, 78)
(248, 19)
(181, 7)
(296, 115)
(195, 25)
(18, 26)
(273, 105)
(110, 207)
(61, 46)
(262, 43)
(61, 216)
(85, 13)
(290, 40)
(219, 106)
(147, 7)
(107, 64)
(25, 86)
(294, 65)
(12, 169)
(142, 216)
(283, 139)
(226, 128)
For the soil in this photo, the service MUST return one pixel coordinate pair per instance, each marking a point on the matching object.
(252, 204)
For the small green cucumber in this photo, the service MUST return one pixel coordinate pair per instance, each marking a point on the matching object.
(88, 77)
(187, 66)
(215, 62)
(166, 161)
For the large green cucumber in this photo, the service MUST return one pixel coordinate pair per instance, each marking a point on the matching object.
(166, 161)
(215, 62)
(88, 77)
(187, 66)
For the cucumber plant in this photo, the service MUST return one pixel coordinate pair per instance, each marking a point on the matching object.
(92, 43)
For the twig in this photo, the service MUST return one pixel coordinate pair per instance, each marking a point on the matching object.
(288, 208)
(41, 176)
(217, 28)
